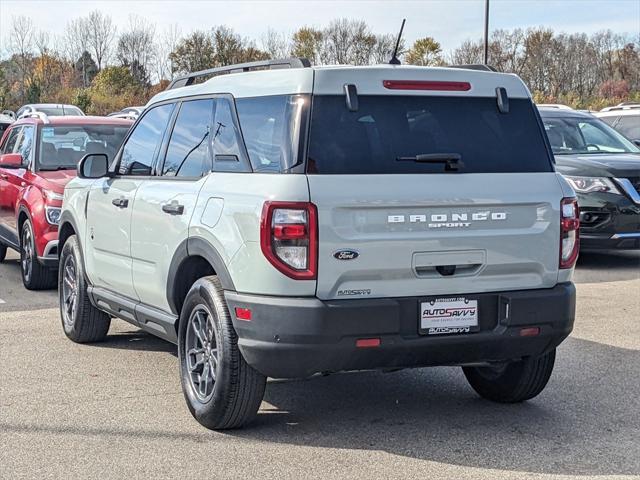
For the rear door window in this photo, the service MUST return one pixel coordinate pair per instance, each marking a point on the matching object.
(388, 128)
(629, 126)
(188, 152)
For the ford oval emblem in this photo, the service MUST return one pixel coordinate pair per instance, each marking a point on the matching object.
(346, 255)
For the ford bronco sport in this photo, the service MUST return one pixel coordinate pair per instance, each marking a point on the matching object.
(284, 220)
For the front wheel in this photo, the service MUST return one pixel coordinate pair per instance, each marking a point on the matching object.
(35, 276)
(81, 321)
(514, 381)
(222, 391)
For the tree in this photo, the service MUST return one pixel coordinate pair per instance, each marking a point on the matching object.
(20, 46)
(307, 43)
(193, 53)
(275, 44)
(165, 64)
(136, 48)
(101, 35)
(347, 42)
(86, 68)
(76, 37)
(425, 52)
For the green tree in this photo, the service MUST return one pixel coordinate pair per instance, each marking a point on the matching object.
(307, 43)
(193, 53)
(425, 51)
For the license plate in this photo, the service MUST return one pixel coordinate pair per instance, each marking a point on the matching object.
(448, 315)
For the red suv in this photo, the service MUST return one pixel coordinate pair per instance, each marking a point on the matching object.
(38, 156)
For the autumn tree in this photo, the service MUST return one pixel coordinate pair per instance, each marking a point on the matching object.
(306, 42)
(193, 53)
(425, 52)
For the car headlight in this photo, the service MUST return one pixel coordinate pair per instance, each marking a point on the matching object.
(53, 215)
(591, 184)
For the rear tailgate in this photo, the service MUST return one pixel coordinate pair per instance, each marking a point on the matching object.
(428, 185)
(437, 234)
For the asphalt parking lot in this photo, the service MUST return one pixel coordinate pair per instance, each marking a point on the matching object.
(115, 409)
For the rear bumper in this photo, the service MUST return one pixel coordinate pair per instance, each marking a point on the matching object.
(608, 241)
(297, 337)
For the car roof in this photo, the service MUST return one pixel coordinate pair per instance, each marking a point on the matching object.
(73, 120)
(330, 80)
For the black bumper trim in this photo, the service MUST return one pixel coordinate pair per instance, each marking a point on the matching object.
(298, 337)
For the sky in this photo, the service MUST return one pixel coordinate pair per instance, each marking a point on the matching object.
(449, 21)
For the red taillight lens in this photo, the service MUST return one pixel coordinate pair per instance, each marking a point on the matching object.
(569, 232)
(289, 238)
(426, 85)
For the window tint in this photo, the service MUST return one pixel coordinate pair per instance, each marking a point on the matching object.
(387, 131)
(11, 140)
(610, 120)
(225, 133)
(188, 152)
(629, 126)
(271, 129)
(141, 147)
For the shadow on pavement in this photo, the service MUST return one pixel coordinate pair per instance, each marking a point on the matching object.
(585, 422)
(137, 340)
(610, 266)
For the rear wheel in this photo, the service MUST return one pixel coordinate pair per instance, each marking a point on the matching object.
(222, 391)
(3, 252)
(514, 381)
(35, 276)
(81, 321)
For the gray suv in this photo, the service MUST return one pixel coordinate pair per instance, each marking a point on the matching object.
(282, 220)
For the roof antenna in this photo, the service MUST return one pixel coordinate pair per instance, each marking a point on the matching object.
(394, 59)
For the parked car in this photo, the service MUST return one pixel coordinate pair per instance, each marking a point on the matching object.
(603, 167)
(131, 113)
(49, 109)
(625, 118)
(292, 221)
(38, 156)
(7, 117)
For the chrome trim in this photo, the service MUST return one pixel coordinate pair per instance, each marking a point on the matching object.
(47, 250)
(618, 236)
(629, 189)
(48, 209)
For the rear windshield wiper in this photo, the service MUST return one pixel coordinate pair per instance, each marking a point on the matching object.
(452, 161)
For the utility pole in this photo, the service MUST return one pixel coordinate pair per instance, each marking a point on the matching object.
(486, 32)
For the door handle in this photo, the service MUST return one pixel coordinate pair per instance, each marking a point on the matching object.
(173, 208)
(120, 202)
(4, 176)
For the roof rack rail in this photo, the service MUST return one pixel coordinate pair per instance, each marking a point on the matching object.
(475, 66)
(41, 115)
(190, 78)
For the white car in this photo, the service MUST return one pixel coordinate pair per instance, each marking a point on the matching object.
(625, 118)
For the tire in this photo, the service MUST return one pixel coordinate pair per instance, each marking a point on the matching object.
(232, 395)
(35, 276)
(514, 382)
(3, 252)
(81, 321)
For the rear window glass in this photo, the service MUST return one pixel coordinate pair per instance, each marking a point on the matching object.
(387, 128)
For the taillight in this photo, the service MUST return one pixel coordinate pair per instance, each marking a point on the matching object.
(446, 86)
(569, 234)
(289, 238)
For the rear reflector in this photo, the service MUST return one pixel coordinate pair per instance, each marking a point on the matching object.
(367, 342)
(529, 331)
(243, 314)
(426, 85)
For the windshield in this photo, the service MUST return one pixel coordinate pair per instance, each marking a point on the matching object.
(62, 147)
(582, 135)
(421, 134)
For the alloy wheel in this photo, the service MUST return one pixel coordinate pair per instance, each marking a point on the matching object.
(27, 253)
(201, 352)
(69, 291)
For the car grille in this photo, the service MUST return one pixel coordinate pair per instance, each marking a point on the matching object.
(631, 186)
(635, 181)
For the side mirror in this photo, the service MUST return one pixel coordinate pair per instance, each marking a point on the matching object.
(93, 165)
(11, 160)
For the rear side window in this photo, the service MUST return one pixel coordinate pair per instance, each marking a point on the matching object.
(388, 128)
(140, 148)
(271, 127)
(188, 153)
(11, 141)
(629, 126)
